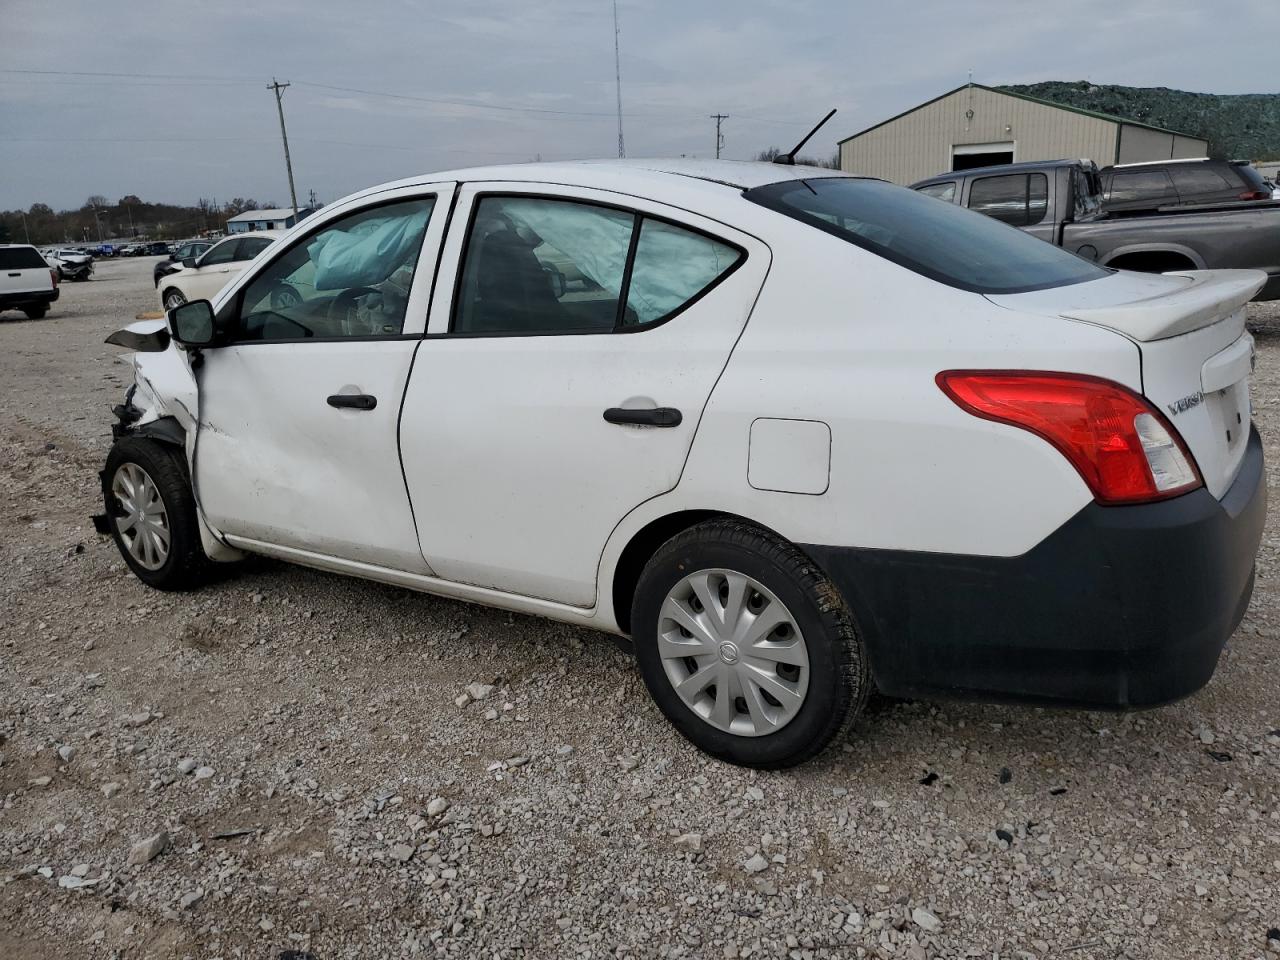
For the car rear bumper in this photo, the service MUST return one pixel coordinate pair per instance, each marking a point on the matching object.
(1120, 607)
(27, 298)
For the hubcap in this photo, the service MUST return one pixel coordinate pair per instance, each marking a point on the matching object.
(174, 299)
(141, 519)
(733, 652)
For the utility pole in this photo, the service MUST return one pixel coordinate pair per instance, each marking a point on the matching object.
(25, 231)
(719, 118)
(617, 79)
(279, 89)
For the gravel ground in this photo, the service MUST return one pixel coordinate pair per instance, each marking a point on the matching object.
(288, 764)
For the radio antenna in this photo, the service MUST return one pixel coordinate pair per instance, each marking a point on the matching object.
(789, 158)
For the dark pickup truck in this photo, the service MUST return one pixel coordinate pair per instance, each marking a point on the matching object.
(1060, 201)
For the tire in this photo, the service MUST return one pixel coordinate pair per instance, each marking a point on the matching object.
(173, 297)
(182, 565)
(831, 684)
(35, 313)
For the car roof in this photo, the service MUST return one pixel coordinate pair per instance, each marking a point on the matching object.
(665, 177)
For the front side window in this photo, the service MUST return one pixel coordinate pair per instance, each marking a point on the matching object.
(535, 265)
(1019, 200)
(351, 278)
(941, 241)
(942, 191)
(224, 252)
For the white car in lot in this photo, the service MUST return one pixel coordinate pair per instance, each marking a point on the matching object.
(201, 277)
(791, 432)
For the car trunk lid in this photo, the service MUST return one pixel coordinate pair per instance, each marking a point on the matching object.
(1196, 354)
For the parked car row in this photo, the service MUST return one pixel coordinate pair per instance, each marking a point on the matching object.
(794, 433)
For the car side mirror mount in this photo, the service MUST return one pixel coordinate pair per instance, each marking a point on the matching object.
(189, 262)
(191, 324)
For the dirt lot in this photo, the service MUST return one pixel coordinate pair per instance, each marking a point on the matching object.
(340, 803)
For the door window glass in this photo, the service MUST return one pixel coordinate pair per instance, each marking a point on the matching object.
(672, 266)
(1016, 199)
(943, 191)
(251, 247)
(542, 266)
(349, 279)
(223, 252)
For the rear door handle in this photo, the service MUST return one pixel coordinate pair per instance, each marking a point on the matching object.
(353, 401)
(652, 417)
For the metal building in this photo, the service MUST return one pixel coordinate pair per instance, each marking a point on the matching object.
(974, 126)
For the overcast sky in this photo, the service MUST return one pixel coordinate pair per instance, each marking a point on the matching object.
(208, 127)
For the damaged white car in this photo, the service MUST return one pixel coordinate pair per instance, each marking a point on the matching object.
(791, 432)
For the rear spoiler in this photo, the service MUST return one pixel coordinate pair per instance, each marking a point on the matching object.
(1210, 295)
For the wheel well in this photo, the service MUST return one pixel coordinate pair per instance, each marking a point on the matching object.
(645, 543)
(1152, 261)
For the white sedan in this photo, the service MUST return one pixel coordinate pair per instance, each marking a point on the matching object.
(201, 277)
(795, 434)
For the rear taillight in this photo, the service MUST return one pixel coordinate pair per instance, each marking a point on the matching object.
(54, 274)
(1119, 443)
(1255, 195)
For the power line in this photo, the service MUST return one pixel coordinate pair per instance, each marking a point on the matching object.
(278, 88)
(719, 118)
(214, 80)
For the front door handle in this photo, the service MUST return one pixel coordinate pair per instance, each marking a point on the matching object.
(651, 417)
(353, 401)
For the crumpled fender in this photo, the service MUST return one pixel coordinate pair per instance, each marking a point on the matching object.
(168, 399)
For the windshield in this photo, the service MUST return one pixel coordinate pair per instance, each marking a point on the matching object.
(941, 241)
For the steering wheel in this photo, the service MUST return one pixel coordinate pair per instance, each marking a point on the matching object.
(342, 309)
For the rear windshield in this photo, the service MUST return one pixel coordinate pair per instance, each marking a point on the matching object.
(21, 258)
(1252, 178)
(941, 241)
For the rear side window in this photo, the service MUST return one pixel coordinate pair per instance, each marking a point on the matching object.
(536, 265)
(251, 247)
(1192, 180)
(1019, 200)
(1152, 186)
(941, 241)
(942, 191)
(21, 258)
(672, 266)
(224, 252)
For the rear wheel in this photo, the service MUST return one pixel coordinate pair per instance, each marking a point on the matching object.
(35, 313)
(746, 646)
(152, 514)
(173, 298)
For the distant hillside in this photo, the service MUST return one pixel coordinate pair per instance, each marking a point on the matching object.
(1242, 126)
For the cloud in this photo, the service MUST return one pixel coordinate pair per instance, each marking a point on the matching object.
(775, 66)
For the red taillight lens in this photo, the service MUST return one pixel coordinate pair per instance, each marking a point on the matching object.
(1254, 195)
(1120, 444)
(54, 274)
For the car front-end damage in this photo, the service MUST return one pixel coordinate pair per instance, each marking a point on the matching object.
(161, 405)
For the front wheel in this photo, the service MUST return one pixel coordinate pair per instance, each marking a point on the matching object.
(151, 514)
(173, 299)
(747, 647)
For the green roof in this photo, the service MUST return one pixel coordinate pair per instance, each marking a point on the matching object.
(1022, 96)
